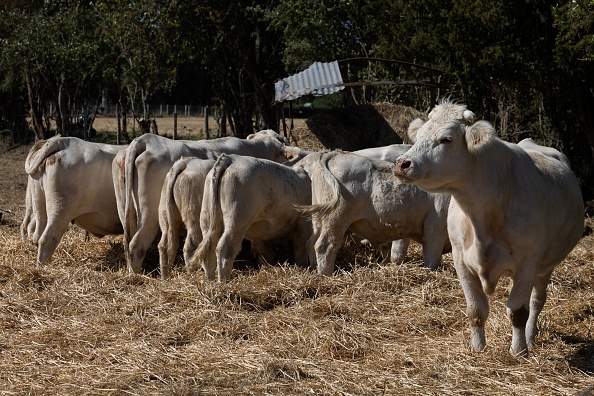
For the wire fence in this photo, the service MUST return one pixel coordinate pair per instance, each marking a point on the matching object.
(166, 110)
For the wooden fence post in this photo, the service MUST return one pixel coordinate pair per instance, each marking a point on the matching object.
(119, 135)
(223, 123)
(174, 125)
(206, 131)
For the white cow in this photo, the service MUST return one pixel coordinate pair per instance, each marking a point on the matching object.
(530, 146)
(179, 209)
(250, 198)
(389, 153)
(385, 153)
(141, 170)
(361, 194)
(513, 213)
(398, 250)
(69, 180)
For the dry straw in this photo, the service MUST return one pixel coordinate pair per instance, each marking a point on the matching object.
(82, 325)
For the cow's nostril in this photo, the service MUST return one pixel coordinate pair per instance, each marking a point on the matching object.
(405, 164)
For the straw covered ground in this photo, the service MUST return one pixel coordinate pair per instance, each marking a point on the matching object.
(82, 325)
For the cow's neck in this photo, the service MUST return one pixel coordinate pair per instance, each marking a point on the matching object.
(484, 194)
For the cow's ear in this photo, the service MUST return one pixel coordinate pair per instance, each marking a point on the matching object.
(469, 116)
(413, 128)
(292, 152)
(478, 134)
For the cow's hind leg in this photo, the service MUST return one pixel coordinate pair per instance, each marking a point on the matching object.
(28, 219)
(168, 246)
(193, 240)
(227, 249)
(326, 248)
(50, 238)
(140, 244)
(38, 224)
(204, 255)
(518, 308)
(310, 247)
(537, 301)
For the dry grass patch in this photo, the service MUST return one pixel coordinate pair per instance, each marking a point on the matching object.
(83, 326)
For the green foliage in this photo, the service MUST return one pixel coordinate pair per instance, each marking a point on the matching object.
(526, 66)
(575, 41)
(143, 36)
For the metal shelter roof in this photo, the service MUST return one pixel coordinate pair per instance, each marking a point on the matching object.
(319, 79)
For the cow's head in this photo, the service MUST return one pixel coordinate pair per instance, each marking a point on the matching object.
(267, 134)
(443, 148)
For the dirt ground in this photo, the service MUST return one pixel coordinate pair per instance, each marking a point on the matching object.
(82, 325)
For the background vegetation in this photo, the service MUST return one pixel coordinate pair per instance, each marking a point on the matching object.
(526, 66)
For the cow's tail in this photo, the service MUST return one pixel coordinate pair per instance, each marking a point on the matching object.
(28, 218)
(134, 150)
(211, 206)
(39, 153)
(172, 212)
(324, 209)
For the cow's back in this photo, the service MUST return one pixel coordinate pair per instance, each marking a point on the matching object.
(373, 195)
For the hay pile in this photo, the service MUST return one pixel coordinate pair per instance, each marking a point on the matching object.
(357, 127)
(83, 326)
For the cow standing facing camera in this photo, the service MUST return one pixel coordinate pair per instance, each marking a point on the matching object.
(514, 212)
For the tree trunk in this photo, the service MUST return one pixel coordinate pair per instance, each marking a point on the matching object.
(38, 128)
(62, 117)
(585, 114)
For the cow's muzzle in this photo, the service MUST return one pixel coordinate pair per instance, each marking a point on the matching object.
(401, 167)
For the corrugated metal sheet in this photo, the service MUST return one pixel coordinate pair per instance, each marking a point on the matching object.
(319, 79)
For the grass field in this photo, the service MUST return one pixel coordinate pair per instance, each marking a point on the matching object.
(82, 325)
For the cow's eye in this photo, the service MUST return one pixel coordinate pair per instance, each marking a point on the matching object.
(445, 140)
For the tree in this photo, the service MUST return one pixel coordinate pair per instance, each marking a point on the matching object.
(574, 59)
(243, 56)
(331, 30)
(525, 66)
(139, 34)
(50, 53)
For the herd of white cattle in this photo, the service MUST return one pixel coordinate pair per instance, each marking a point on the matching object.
(502, 209)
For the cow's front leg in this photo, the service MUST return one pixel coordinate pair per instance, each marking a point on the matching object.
(398, 251)
(477, 304)
(432, 252)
